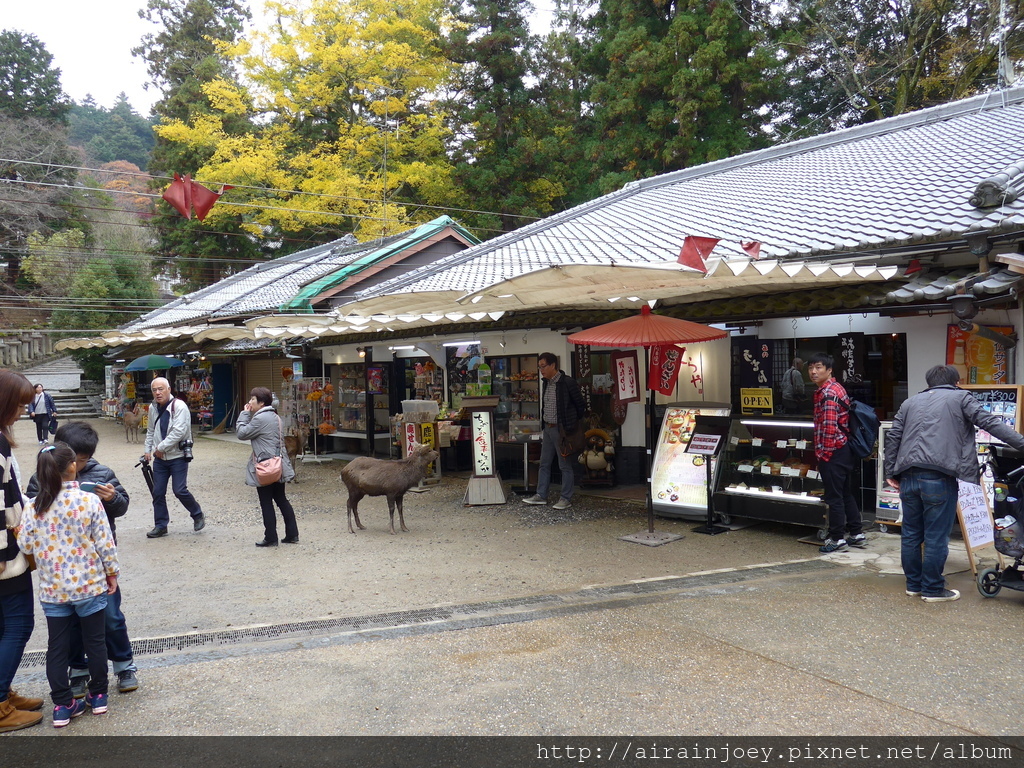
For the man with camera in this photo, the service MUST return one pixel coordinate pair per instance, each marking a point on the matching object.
(169, 447)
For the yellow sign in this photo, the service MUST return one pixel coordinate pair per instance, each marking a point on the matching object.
(756, 400)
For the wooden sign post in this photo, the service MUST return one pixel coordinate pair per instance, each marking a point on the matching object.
(975, 514)
(484, 485)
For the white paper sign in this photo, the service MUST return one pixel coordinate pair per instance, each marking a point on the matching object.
(781, 444)
(791, 472)
(801, 445)
(813, 474)
(765, 469)
(745, 468)
(734, 440)
(756, 442)
(975, 514)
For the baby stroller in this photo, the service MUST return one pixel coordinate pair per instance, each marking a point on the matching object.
(1009, 538)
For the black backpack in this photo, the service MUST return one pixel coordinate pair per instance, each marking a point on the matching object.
(864, 426)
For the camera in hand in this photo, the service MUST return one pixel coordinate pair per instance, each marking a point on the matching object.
(185, 446)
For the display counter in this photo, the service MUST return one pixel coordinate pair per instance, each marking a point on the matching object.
(769, 472)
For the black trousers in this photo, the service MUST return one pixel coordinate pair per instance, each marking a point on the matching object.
(58, 651)
(42, 421)
(269, 495)
(843, 511)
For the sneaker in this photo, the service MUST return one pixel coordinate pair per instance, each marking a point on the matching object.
(561, 504)
(198, 522)
(127, 681)
(912, 593)
(79, 686)
(858, 540)
(535, 499)
(62, 714)
(944, 596)
(831, 546)
(98, 703)
(157, 532)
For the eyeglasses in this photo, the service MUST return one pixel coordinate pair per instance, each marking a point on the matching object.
(543, 365)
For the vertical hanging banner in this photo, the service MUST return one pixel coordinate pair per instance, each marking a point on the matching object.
(755, 362)
(583, 371)
(850, 368)
(663, 373)
(627, 385)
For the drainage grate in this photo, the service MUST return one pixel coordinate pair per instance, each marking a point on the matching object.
(389, 620)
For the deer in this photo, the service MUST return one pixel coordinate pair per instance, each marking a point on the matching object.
(132, 420)
(295, 445)
(382, 477)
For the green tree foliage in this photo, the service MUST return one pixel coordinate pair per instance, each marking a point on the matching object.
(858, 62)
(183, 57)
(508, 156)
(678, 84)
(29, 85)
(106, 135)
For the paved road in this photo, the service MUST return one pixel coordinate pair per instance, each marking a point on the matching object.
(797, 645)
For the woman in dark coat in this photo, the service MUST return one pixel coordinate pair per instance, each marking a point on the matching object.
(40, 409)
(259, 423)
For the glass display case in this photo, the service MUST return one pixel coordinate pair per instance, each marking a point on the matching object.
(516, 382)
(351, 387)
(769, 472)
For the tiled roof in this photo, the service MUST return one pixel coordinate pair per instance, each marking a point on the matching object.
(267, 286)
(905, 181)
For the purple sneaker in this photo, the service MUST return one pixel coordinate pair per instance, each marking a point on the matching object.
(98, 702)
(62, 714)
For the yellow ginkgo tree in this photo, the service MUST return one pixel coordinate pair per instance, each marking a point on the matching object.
(345, 136)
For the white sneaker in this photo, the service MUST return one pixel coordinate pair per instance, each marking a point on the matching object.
(535, 499)
(561, 504)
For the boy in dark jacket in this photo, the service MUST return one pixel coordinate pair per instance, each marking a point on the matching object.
(81, 438)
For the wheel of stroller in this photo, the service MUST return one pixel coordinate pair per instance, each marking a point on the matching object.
(988, 582)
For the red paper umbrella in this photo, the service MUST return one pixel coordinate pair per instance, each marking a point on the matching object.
(647, 330)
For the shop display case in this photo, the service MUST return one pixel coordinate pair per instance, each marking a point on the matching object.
(887, 499)
(679, 484)
(308, 403)
(769, 472)
(516, 382)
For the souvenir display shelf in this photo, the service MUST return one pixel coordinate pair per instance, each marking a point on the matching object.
(308, 403)
(516, 382)
(353, 380)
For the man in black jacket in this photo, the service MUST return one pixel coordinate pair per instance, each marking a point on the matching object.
(561, 405)
(81, 438)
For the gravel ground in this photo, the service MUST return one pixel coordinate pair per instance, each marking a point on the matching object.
(451, 554)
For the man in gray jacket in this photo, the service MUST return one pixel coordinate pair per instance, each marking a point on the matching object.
(932, 445)
(170, 423)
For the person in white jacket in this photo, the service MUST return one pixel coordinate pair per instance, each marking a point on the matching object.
(170, 423)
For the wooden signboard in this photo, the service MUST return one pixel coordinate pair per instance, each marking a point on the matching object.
(1003, 400)
(975, 514)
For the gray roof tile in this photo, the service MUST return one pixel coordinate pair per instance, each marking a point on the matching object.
(904, 180)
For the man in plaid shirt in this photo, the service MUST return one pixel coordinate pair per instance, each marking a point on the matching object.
(836, 461)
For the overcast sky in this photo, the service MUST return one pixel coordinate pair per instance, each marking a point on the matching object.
(91, 43)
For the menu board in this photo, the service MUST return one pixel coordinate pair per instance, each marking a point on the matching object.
(1003, 400)
(679, 479)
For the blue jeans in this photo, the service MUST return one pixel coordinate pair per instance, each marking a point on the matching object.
(175, 470)
(119, 647)
(928, 499)
(548, 453)
(16, 622)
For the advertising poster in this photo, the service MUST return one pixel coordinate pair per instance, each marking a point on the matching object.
(979, 360)
(627, 383)
(679, 479)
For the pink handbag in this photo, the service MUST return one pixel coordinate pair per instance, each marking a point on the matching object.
(269, 470)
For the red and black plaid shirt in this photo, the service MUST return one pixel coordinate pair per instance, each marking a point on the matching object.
(831, 420)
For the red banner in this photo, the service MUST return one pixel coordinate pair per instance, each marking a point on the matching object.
(664, 371)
